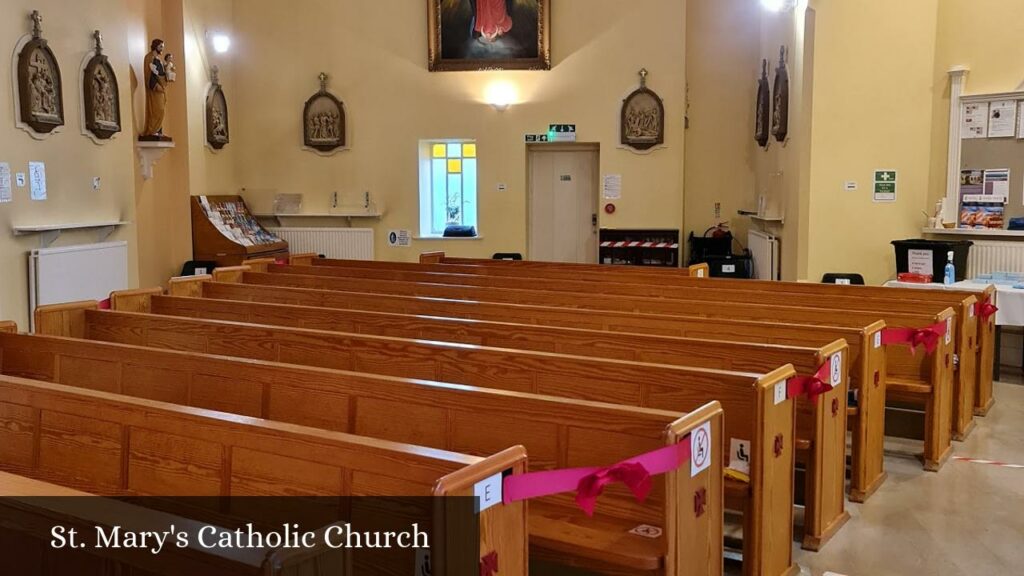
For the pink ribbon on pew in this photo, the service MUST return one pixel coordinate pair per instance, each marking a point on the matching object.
(985, 309)
(811, 386)
(914, 337)
(105, 304)
(589, 483)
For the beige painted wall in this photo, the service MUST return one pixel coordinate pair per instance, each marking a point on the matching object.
(72, 160)
(722, 48)
(375, 53)
(872, 110)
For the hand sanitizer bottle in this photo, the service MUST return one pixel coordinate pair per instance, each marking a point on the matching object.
(950, 276)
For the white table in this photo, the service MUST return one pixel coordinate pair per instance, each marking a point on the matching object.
(1008, 299)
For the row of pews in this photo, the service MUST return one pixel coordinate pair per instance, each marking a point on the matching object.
(324, 377)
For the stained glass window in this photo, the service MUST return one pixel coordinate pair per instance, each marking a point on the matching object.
(448, 189)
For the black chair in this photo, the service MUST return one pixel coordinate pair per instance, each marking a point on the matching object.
(838, 278)
(507, 256)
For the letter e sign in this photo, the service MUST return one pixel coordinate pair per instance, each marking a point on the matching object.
(700, 449)
(488, 491)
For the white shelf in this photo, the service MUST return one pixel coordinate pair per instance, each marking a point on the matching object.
(997, 233)
(766, 219)
(324, 218)
(48, 233)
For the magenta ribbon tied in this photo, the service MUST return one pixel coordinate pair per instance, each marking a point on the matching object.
(928, 336)
(589, 483)
(985, 309)
(811, 386)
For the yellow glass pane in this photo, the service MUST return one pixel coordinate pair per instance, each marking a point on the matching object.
(469, 150)
(439, 150)
(454, 166)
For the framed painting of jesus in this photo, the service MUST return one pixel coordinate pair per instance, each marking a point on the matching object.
(489, 34)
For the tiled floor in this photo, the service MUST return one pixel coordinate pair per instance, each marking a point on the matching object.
(965, 520)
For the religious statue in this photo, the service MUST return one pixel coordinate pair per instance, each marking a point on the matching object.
(39, 83)
(156, 93)
(780, 106)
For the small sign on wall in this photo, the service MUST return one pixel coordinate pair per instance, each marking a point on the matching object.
(885, 186)
(399, 238)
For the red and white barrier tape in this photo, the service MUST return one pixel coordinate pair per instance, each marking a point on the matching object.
(989, 462)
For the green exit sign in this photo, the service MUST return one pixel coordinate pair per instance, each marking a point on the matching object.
(562, 132)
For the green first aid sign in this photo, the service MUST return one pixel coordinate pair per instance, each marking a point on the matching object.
(884, 189)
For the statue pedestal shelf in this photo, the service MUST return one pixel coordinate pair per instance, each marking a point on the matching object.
(149, 153)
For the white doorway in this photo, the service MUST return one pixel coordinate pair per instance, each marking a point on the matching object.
(562, 202)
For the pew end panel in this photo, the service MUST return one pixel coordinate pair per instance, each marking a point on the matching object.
(139, 300)
(188, 286)
(826, 474)
(867, 472)
(257, 264)
(302, 258)
(8, 327)
(230, 274)
(432, 258)
(705, 492)
(983, 398)
(64, 319)
(966, 375)
(503, 527)
(772, 476)
(698, 271)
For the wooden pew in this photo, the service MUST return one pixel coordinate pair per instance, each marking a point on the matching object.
(985, 337)
(821, 424)
(111, 445)
(30, 509)
(967, 348)
(562, 434)
(636, 384)
(867, 365)
(925, 380)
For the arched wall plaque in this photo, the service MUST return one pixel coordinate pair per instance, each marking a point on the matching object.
(780, 111)
(323, 120)
(100, 94)
(218, 133)
(642, 123)
(40, 91)
(763, 112)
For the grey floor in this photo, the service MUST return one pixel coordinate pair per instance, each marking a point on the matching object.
(966, 519)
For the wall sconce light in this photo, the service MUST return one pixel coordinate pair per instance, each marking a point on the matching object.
(778, 5)
(220, 42)
(500, 95)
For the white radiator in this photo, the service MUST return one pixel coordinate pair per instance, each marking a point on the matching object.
(764, 248)
(987, 256)
(341, 243)
(73, 273)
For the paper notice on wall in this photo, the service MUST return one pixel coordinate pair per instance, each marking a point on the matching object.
(1020, 120)
(1002, 119)
(399, 238)
(920, 262)
(613, 186)
(5, 182)
(997, 184)
(37, 180)
(974, 123)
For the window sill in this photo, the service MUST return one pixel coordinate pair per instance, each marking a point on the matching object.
(448, 238)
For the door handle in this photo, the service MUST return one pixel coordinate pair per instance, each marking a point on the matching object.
(593, 221)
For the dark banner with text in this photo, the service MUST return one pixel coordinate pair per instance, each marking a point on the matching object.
(254, 536)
